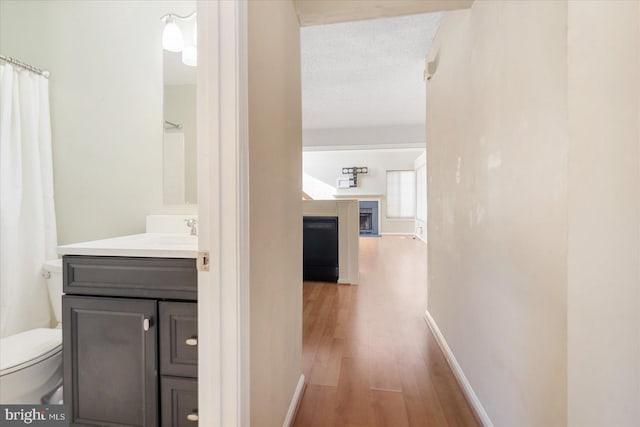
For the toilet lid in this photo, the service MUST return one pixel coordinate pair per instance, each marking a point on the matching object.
(29, 347)
(53, 265)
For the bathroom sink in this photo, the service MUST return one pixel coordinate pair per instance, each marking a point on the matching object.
(160, 239)
(160, 245)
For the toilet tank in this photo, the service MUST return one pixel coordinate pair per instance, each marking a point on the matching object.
(52, 271)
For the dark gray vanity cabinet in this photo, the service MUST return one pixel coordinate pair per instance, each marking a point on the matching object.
(110, 361)
(128, 360)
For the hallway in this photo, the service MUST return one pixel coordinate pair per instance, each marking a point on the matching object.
(369, 357)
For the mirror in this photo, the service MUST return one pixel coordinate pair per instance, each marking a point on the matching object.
(179, 108)
(106, 62)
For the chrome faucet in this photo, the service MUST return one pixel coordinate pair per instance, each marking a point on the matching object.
(193, 223)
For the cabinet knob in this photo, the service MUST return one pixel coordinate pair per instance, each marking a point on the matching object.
(191, 341)
(146, 323)
(192, 416)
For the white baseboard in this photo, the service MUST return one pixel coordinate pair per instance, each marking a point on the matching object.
(404, 234)
(480, 413)
(295, 402)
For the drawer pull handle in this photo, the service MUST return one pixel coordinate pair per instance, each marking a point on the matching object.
(192, 416)
(191, 341)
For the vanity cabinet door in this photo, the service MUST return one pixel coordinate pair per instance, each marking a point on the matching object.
(110, 368)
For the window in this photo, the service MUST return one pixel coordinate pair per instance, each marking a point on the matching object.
(401, 194)
(421, 193)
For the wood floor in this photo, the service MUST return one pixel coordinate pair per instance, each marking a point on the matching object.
(369, 358)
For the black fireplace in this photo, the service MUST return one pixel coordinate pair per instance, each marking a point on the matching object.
(368, 218)
(320, 249)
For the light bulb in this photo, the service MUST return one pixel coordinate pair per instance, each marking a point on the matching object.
(190, 56)
(195, 33)
(172, 39)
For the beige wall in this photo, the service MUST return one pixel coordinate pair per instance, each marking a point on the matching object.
(534, 208)
(497, 196)
(604, 214)
(105, 60)
(275, 151)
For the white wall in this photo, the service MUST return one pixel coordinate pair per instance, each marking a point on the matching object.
(326, 166)
(180, 107)
(604, 214)
(497, 197)
(105, 60)
(275, 185)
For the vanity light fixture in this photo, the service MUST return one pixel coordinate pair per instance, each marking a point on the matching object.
(173, 40)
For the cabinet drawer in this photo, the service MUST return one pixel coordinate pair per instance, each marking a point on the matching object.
(179, 402)
(131, 277)
(179, 339)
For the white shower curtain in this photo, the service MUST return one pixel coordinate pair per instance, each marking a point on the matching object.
(27, 215)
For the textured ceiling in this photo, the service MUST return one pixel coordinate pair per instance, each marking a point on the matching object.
(366, 73)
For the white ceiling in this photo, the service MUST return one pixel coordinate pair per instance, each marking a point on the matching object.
(366, 73)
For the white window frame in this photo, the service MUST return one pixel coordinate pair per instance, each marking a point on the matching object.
(421, 214)
(413, 197)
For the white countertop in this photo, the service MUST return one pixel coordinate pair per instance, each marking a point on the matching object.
(157, 245)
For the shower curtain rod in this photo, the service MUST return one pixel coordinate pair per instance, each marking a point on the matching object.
(24, 65)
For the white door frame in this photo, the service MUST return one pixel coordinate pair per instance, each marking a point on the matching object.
(223, 212)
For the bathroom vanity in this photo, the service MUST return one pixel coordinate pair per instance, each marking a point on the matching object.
(130, 331)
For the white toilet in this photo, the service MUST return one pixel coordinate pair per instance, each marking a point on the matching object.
(31, 361)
